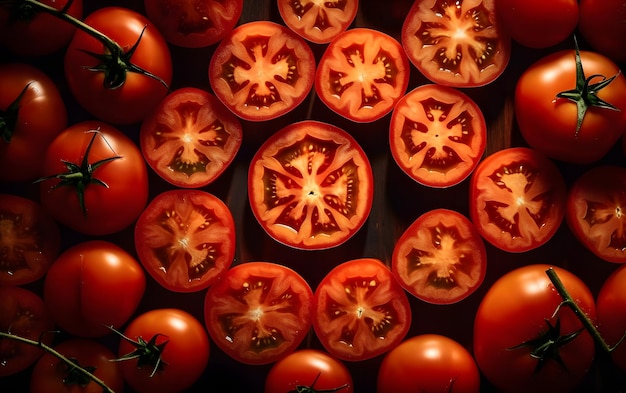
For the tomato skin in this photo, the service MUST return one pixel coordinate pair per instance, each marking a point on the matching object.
(612, 324)
(304, 367)
(139, 94)
(108, 209)
(513, 311)
(428, 363)
(190, 138)
(319, 23)
(185, 356)
(593, 213)
(49, 372)
(548, 124)
(602, 23)
(77, 280)
(42, 115)
(360, 310)
(185, 239)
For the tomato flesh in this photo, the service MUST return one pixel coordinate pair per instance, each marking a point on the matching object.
(318, 22)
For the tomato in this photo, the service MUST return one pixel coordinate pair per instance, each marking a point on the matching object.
(437, 135)
(611, 323)
(185, 239)
(22, 312)
(550, 124)
(594, 211)
(176, 339)
(362, 74)
(92, 286)
(428, 363)
(310, 185)
(191, 138)
(51, 375)
(318, 22)
(308, 368)
(538, 24)
(523, 341)
(440, 258)
(602, 23)
(360, 310)
(517, 199)
(26, 31)
(97, 90)
(456, 43)
(32, 113)
(194, 24)
(88, 170)
(262, 70)
(29, 239)
(258, 312)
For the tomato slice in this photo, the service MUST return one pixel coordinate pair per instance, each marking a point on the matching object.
(456, 43)
(259, 312)
(437, 135)
(595, 205)
(191, 138)
(362, 74)
(517, 199)
(262, 70)
(185, 239)
(317, 21)
(361, 311)
(310, 186)
(440, 258)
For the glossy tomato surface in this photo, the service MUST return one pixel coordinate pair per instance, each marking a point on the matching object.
(603, 24)
(612, 324)
(318, 22)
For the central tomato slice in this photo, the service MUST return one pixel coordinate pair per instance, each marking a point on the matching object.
(311, 186)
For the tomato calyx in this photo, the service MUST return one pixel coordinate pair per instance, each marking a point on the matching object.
(311, 389)
(75, 375)
(8, 117)
(585, 94)
(147, 353)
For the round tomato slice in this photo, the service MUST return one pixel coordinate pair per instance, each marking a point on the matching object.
(595, 205)
(191, 138)
(517, 199)
(259, 312)
(311, 186)
(440, 258)
(262, 70)
(185, 239)
(360, 310)
(317, 21)
(362, 74)
(437, 135)
(456, 43)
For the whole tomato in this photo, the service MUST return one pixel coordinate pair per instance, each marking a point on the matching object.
(611, 323)
(602, 23)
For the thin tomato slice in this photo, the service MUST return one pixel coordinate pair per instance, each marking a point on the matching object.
(310, 186)
(317, 21)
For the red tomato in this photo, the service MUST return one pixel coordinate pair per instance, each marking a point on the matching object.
(25, 30)
(194, 24)
(29, 239)
(549, 124)
(309, 369)
(32, 113)
(611, 322)
(190, 138)
(139, 93)
(362, 74)
(437, 135)
(360, 310)
(22, 313)
(310, 185)
(517, 199)
(602, 23)
(428, 363)
(440, 258)
(456, 43)
(176, 339)
(318, 22)
(595, 203)
(258, 312)
(536, 23)
(51, 375)
(185, 239)
(91, 286)
(514, 320)
(88, 171)
(262, 70)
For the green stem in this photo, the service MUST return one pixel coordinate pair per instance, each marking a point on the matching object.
(60, 356)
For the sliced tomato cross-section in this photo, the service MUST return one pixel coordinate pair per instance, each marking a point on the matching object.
(318, 21)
